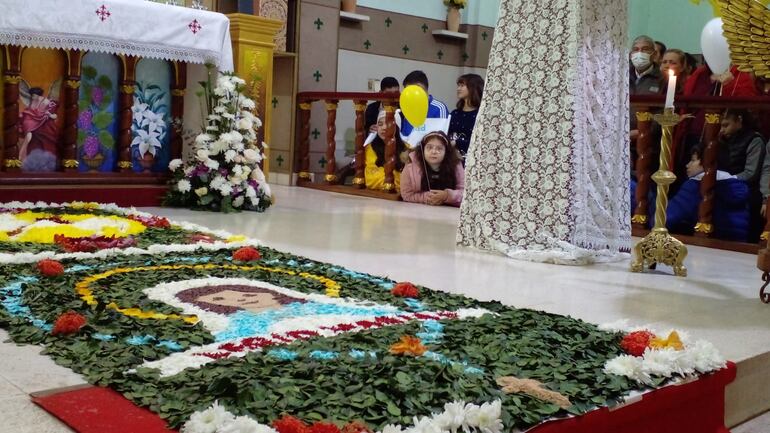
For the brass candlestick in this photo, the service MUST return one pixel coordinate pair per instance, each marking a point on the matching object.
(659, 246)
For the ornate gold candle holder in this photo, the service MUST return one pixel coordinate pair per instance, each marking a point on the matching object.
(659, 246)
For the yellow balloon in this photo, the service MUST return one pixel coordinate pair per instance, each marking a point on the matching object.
(414, 105)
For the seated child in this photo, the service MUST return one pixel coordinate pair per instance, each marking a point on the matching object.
(375, 157)
(731, 206)
(435, 174)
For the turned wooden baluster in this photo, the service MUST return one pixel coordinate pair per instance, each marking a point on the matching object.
(643, 160)
(9, 154)
(359, 181)
(126, 101)
(303, 153)
(178, 87)
(331, 142)
(704, 227)
(69, 149)
(390, 147)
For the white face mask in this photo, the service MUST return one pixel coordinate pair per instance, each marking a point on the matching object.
(640, 60)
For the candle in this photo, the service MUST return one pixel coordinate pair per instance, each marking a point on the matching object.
(671, 89)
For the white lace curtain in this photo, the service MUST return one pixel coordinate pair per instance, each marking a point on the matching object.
(548, 168)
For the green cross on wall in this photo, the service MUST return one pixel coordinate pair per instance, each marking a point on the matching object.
(275, 102)
(484, 36)
(315, 133)
(279, 160)
(318, 76)
(388, 22)
(318, 23)
(465, 57)
(425, 28)
(367, 44)
(405, 49)
(440, 54)
(322, 162)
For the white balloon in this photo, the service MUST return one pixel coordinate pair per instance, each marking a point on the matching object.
(714, 47)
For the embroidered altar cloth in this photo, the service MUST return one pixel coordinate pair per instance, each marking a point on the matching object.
(130, 27)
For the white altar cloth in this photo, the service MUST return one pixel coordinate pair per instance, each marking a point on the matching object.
(130, 27)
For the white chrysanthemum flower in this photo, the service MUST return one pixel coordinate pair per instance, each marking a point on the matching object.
(453, 416)
(219, 109)
(219, 146)
(660, 362)
(258, 175)
(238, 147)
(251, 155)
(251, 192)
(392, 428)
(202, 155)
(202, 191)
(257, 122)
(485, 417)
(226, 189)
(202, 139)
(183, 185)
(238, 201)
(175, 164)
(212, 128)
(617, 326)
(685, 363)
(624, 365)
(265, 188)
(244, 424)
(254, 201)
(217, 181)
(212, 164)
(425, 425)
(215, 117)
(225, 84)
(236, 80)
(230, 155)
(209, 420)
(247, 103)
(228, 116)
(706, 357)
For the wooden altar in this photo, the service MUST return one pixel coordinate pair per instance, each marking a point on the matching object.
(102, 125)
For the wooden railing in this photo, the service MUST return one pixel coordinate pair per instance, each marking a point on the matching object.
(332, 99)
(713, 108)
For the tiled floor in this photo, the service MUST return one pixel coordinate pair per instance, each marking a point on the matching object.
(717, 301)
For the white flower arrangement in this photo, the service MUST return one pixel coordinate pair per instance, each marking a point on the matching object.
(695, 358)
(457, 415)
(229, 140)
(148, 122)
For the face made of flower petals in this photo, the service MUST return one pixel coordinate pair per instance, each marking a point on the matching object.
(254, 302)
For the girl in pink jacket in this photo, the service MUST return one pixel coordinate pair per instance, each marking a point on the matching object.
(445, 180)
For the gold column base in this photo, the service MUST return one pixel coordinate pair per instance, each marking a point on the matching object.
(304, 175)
(330, 178)
(639, 219)
(12, 163)
(359, 181)
(389, 187)
(660, 247)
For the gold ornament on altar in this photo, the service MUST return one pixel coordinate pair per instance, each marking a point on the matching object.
(746, 26)
(659, 246)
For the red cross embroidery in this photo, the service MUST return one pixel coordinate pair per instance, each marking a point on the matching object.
(103, 13)
(194, 26)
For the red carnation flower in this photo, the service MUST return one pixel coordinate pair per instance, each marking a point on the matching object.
(290, 424)
(246, 254)
(50, 268)
(324, 427)
(636, 342)
(356, 427)
(405, 290)
(68, 323)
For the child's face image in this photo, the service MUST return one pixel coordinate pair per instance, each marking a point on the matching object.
(434, 151)
(254, 302)
(694, 167)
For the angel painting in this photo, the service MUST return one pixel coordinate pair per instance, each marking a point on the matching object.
(38, 131)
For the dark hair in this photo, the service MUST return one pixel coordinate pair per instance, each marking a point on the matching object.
(191, 296)
(448, 165)
(378, 146)
(663, 47)
(475, 85)
(36, 91)
(387, 83)
(692, 62)
(747, 120)
(416, 77)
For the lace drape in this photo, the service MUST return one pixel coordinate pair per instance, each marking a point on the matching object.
(548, 166)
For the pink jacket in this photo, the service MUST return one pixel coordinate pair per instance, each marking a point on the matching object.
(411, 184)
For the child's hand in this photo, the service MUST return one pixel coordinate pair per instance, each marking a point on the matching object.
(437, 198)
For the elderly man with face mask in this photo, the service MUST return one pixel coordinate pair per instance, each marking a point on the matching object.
(644, 75)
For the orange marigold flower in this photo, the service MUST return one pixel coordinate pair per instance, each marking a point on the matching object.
(324, 427)
(290, 424)
(50, 268)
(405, 290)
(356, 427)
(408, 345)
(68, 323)
(246, 254)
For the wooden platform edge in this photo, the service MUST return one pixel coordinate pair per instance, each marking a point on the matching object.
(349, 190)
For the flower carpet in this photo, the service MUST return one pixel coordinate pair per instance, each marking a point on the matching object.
(216, 333)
